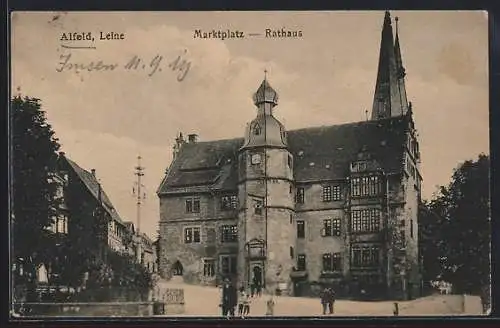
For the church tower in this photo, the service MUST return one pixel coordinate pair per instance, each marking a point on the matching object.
(266, 217)
(390, 101)
(390, 94)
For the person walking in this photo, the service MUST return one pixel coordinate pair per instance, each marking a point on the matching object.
(241, 299)
(229, 299)
(270, 306)
(331, 300)
(325, 299)
(246, 305)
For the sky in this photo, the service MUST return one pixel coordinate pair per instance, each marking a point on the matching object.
(104, 119)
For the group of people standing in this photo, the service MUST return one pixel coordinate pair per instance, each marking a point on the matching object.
(327, 300)
(232, 298)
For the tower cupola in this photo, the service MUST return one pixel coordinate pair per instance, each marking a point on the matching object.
(265, 94)
(265, 129)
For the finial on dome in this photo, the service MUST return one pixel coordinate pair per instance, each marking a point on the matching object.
(265, 93)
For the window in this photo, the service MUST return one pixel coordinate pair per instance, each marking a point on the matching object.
(327, 193)
(299, 197)
(229, 202)
(327, 228)
(301, 229)
(411, 228)
(61, 225)
(255, 159)
(290, 161)
(258, 207)
(332, 262)
(228, 264)
(301, 262)
(193, 205)
(365, 186)
(355, 188)
(208, 267)
(365, 221)
(192, 235)
(229, 233)
(336, 193)
(292, 253)
(374, 186)
(402, 238)
(331, 227)
(336, 227)
(365, 256)
(256, 130)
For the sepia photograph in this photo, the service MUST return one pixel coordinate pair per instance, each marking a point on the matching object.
(241, 165)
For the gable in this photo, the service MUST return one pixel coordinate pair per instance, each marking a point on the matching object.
(92, 185)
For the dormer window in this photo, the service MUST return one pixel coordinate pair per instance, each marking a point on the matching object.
(359, 166)
(257, 130)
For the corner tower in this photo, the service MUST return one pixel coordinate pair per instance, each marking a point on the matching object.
(266, 217)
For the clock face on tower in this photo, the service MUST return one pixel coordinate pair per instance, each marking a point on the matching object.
(256, 159)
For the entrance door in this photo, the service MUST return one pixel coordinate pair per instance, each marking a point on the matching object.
(177, 269)
(257, 275)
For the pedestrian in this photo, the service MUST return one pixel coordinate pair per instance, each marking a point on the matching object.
(331, 300)
(270, 306)
(259, 290)
(241, 299)
(246, 305)
(229, 299)
(325, 298)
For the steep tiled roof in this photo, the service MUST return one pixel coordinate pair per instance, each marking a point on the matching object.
(90, 181)
(320, 153)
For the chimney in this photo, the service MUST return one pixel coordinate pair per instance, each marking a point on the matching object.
(62, 154)
(93, 172)
(192, 138)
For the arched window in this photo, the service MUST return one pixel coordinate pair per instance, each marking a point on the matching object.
(256, 130)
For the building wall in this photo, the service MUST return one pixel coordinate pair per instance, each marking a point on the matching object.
(314, 245)
(191, 256)
(398, 209)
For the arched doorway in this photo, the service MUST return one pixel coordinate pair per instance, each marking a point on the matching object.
(177, 269)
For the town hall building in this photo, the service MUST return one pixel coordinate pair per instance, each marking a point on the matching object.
(295, 210)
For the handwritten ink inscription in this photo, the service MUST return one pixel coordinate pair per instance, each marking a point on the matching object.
(151, 66)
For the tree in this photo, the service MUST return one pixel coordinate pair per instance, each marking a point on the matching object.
(34, 161)
(458, 231)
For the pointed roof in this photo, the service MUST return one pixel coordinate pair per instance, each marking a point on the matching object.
(387, 100)
(94, 187)
(397, 52)
(265, 93)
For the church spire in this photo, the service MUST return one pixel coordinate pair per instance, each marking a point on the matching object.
(388, 99)
(400, 70)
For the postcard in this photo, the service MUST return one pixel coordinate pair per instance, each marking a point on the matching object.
(249, 164)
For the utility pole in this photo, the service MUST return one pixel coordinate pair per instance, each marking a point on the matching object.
(139, 172)
(141, 195)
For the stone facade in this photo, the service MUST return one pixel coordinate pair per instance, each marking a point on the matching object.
(301, 209)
